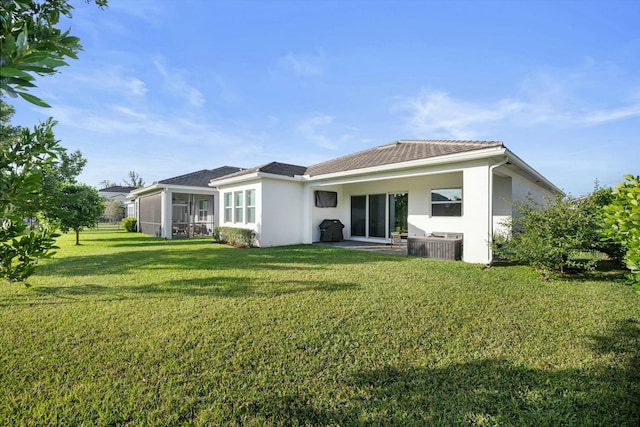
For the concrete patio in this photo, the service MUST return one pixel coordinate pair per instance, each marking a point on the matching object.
(385, 248)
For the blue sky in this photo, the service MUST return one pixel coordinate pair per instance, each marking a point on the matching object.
(170, 87)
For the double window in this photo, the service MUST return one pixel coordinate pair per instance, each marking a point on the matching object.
(446, 202)
(240, 207)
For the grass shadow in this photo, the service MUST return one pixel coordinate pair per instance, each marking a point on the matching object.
(220, 286)
(605, 271)
(482, 392)
(219, 258)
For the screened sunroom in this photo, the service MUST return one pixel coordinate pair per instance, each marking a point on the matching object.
(191, 215)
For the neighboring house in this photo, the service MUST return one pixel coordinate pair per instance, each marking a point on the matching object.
(417, 187)
(118, 193)
(183, 206)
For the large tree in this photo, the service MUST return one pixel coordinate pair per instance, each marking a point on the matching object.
(78, 207)
(31, 44)
(134, 180)
(113, 210)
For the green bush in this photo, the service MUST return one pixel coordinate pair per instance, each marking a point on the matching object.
(596, 203)
(130, 224)
(550, 237)
(622, 223)
(242, 237)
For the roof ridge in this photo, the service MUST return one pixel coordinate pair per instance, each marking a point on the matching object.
(185, 175)
(449, 141)
(399, 151)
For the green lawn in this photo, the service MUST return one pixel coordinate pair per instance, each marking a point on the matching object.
(132, 330)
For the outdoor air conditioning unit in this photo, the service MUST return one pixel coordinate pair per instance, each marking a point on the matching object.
(436, 245)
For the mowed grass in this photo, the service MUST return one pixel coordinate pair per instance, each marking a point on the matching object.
(132, 330)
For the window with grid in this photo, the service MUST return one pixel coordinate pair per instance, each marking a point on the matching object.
(238, 206)
(203, 210)
(228, 207)
(250, 204)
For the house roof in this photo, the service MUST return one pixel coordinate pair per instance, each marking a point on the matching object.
(274, 168)
(200, 178)
(117, 189)
(398, 152)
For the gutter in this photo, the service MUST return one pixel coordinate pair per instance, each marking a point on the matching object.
(490, 228)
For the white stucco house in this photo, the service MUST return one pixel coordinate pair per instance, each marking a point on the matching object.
(182, 206)
(416, 187)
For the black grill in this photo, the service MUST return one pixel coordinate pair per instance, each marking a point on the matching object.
(331, 230)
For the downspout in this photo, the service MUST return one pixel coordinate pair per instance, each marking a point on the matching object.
(490, 228)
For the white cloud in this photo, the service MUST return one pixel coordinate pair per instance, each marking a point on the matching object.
(303, 65)
(313, 128)
(175, 83)
(603, 116)
(113, 78)
(436, 114)
(588, 94)
(323, 131)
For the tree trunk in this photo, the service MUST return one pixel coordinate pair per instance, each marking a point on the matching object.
(77, 237)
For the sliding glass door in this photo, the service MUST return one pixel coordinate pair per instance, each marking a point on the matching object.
(398, 212)
(377, 215)
(358, 216)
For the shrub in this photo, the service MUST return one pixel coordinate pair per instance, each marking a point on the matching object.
(595, 203)
(622, 223)
(242, 237)
(130, 224)
(550, 237)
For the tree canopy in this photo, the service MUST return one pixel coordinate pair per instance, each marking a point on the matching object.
(622, 223)
(79, 206)
(31, 44)
(25, 157)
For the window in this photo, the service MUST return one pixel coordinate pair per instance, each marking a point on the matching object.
(250, 204)
(446, 202)
(238, 205)
(203, 210)
(228, 208)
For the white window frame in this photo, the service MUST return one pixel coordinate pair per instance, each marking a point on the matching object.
(250, 214)
(228, 207)
(203, 210)
(446, 202)
(238, 206)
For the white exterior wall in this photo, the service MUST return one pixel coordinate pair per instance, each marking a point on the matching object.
(474, 222)
(341, 211)
(420, 220)
(502, 206)
(523, 188)
(282, 216)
